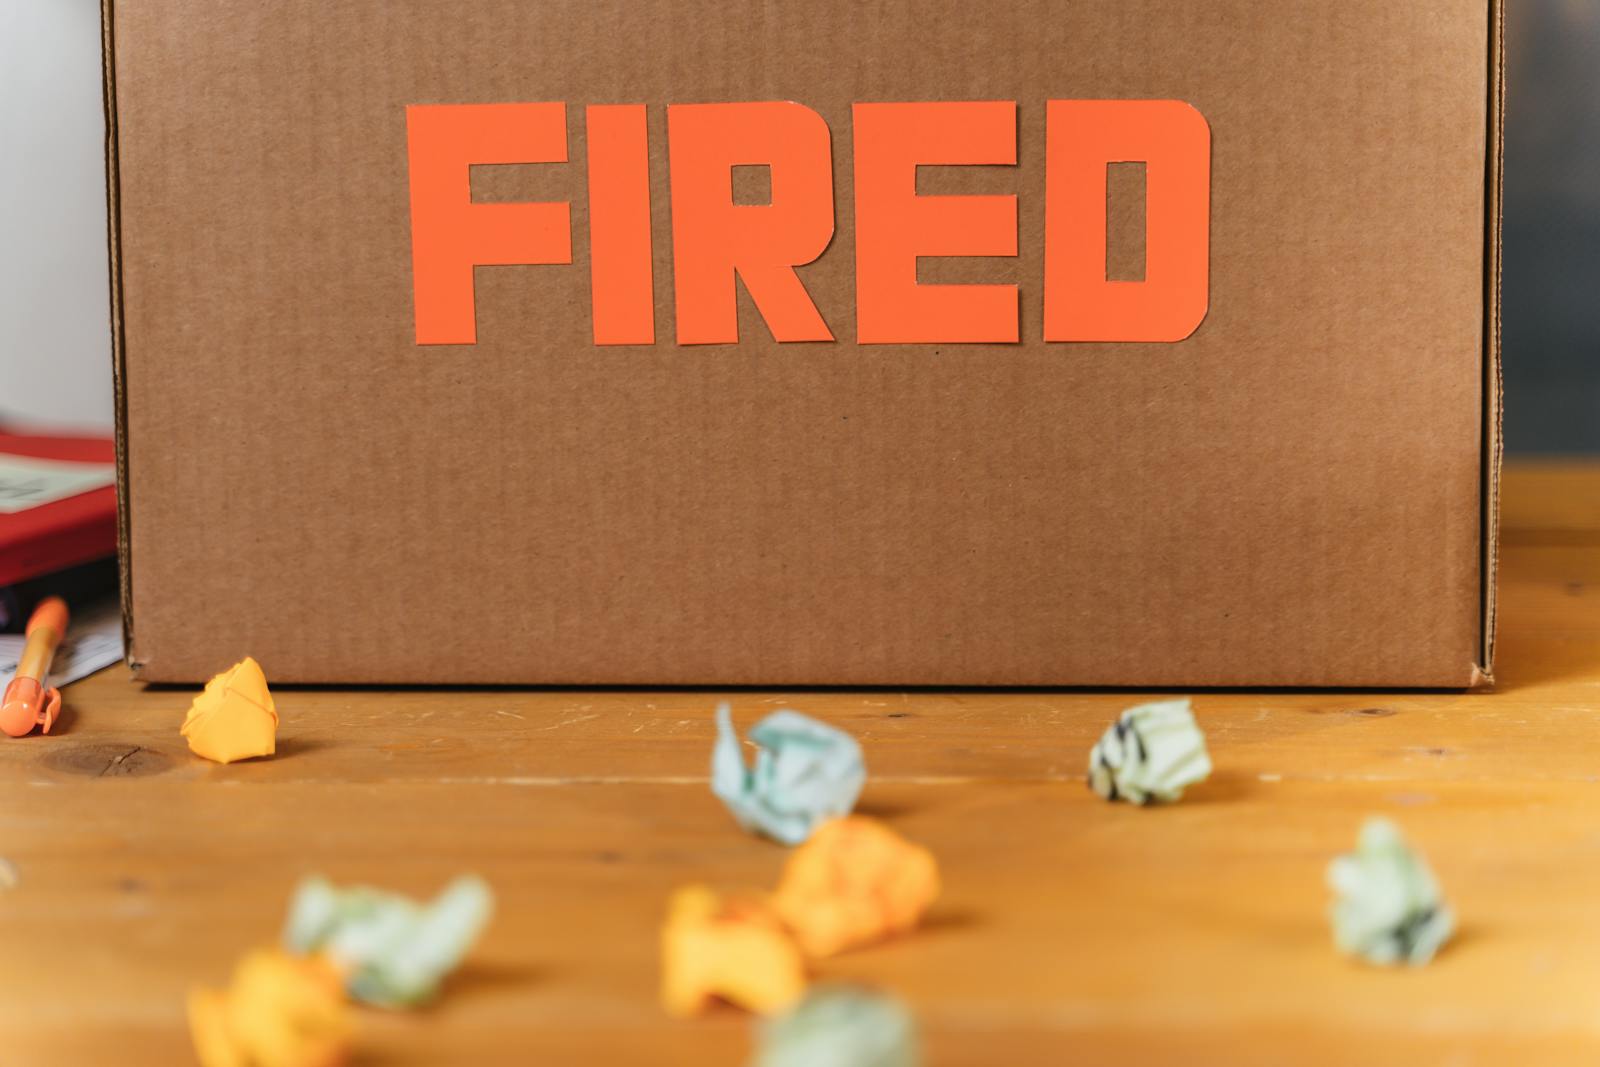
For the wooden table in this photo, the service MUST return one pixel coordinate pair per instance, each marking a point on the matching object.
(1070, 931)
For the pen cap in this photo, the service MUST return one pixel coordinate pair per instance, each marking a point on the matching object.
(50, 614)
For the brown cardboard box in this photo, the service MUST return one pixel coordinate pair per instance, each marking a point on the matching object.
(1300, 493)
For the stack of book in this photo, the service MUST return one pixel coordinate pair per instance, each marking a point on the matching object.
(58, 522)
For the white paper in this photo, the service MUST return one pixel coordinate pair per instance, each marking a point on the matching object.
(26, 482)
(94, 642)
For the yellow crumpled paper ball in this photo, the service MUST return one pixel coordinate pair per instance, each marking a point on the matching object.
(280, 1011)
(854, 882)
(730, 947)
(234, 718)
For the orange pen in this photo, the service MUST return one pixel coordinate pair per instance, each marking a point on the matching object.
(29, 702)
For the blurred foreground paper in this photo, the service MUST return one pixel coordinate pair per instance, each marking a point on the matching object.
(727, 947)
(393, 951)
(805, 773)
(855, 882)
(280, 1011)
(836, 1026)
(1152, 752)
(1387, 906)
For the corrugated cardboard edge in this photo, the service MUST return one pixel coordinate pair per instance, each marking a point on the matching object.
(118, 370)
(1493, 406)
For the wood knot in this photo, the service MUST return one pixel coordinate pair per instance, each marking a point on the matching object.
(108, 761)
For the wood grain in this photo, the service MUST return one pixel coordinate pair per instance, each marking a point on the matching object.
(1070, 931)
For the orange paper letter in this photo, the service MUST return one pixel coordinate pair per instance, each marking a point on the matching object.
(713, 238)
(619, 226)
(1173, 140)
(450, 235)
(894, 226)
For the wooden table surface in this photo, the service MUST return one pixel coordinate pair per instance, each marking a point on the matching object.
(1070, 931)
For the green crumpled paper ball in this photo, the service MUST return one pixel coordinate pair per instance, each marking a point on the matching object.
(1387, 908)
(394, 951)
(837, 1026)
(1153, 752)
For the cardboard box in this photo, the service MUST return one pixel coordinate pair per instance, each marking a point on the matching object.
(1260, 448)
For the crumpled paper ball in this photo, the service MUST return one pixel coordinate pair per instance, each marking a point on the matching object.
(805, 773)
(1387, 907)
(854, 882)
(728, 947)
(280, 1011)
(837, 1026)
(393, 952)
(234, 718)
(1153, 752)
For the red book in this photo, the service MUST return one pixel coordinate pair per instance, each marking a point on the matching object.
(75, 517)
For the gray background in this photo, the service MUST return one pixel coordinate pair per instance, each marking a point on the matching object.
(1552, 227)
(54, 366)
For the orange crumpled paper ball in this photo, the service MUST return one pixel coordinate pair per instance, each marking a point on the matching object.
(280, 1011)
(855, 881)
(732, 947)
(234, 718)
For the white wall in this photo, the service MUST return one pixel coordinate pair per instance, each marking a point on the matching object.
(55, 343)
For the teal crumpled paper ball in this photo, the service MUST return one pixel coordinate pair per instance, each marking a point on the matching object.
(806, 772)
